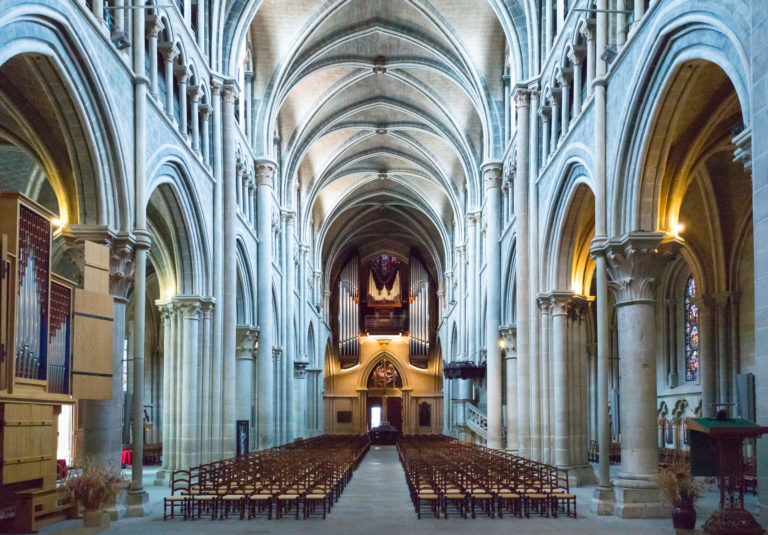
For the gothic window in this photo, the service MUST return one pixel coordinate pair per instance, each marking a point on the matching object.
(385, 375)
(691, 331)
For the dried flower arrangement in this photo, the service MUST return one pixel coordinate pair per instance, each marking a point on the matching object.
(678, 485)
(95, 486)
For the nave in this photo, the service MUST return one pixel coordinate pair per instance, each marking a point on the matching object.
(376, 501)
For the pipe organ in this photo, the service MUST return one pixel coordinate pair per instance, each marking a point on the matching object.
(55, 348)
(419, 312)
(349, 317)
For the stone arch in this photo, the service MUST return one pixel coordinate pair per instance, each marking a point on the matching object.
(61, 117)
(641, 198)
(246, 302)
(402, 370)
(570, 227)
(174, 218)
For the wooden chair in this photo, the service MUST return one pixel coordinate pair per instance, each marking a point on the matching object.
(180, 484)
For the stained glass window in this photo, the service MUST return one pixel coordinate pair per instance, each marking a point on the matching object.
(691, 331)
(385, 376)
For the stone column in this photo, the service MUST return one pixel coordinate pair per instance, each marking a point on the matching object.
(708, 368)
(589, 36)
(265, 175)
(723, 375)
(249, 105)
(289, 221)
(639, 13)
(662, 426)
(138, 499)
(222, 443)
(201, 25)
(473, 298)
(492, 179)
(167, 313)
(555, 131)
(544, 114)
(565, 91)
(154, 27)
(247, 339)
(546, 371)
(190, 309)
(548, 19)
(560, 302)
(576, 56)
(560, 15)
(205, 115)
(194, 94)
(523, 305)
(169, 52)
(510, 361)
(300, 405)
(635, 265)
(182, 75)
(228, 304)
(621, 23)
(534, 366)
(676, 433)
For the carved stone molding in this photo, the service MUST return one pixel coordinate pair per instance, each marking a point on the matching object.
(492, 174)
(300, 369)
(265, 172)
(743, 152)
(635, 262)
(246, 340)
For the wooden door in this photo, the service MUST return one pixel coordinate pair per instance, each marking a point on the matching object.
(395, 412)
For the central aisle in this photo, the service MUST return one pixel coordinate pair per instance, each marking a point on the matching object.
(376, 502)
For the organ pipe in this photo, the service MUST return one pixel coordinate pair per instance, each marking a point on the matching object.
(419, 310)
(348, 310)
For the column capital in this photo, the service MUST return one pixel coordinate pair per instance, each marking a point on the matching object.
(265, 172)
(544, 112)
(461, 250)
(182, 73)
(491, 174)
(545, 303)
(564, 75)
(522, 96)
(576, 54)
(246, 341)
(230, 91)
(153, 25)
(561, 303)
(169, 50)
(288, 217)
(473, 217)
(635, 263)
(121, 266)
(300, 369)
(217, 84)
(248, 76)
(205, 111)
(509, 335)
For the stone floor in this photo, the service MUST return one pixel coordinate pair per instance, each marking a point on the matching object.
(376, 502)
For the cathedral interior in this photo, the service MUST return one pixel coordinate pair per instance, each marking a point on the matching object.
(416, 234)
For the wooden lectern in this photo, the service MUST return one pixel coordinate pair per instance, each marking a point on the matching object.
(720, 440)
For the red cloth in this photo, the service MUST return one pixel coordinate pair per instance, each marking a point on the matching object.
(61, 468)
(127, 457)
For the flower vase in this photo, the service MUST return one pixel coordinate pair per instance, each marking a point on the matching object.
(95, 518)
(683, 517)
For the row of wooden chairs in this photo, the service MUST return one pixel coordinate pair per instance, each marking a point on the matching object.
(303, 478)
(614, 454)
(446, 476)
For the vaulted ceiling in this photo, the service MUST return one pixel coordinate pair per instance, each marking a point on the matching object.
(380, 112)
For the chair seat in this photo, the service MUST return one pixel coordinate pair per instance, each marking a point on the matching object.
(427, 496)
(232, 497)
(288, 497)
(175, 498)
(482, 495)
(565, 496)
(455, 496)
(262, 497)
(507, 495)
(316, 496)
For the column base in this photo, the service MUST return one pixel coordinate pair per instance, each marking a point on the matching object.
(638, 497)
(162, 478)
(602, 501)
(581, 475)
(137, 503)
(119, 510)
